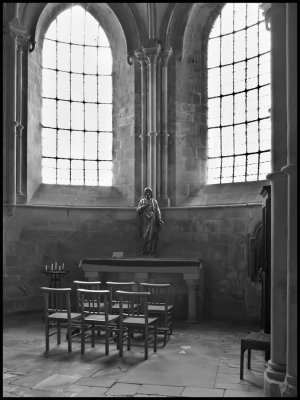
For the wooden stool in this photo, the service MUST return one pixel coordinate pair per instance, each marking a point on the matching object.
(254, 341)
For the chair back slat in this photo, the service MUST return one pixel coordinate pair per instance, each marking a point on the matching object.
(137, 304)
(90, 285)
(158, 291)
(57, 300)
(93, 302)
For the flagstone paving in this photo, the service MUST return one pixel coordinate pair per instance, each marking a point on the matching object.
(200, 360)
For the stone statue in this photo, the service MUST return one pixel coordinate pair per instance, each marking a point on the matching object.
(149, 222)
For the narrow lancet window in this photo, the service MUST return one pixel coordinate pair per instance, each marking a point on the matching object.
(77, 101)
(238, 120)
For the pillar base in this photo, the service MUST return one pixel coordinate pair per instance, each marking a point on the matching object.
(273, 379)
(290, 387)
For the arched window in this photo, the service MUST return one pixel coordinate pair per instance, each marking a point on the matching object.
(76, 101)
(238, 62)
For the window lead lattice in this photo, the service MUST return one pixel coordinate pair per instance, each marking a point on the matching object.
(77, 101)
(238, 89)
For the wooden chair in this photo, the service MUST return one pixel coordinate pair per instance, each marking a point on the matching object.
(91, 285)
(133, 308)
(95, 316)
(158, 306)
(113, 299)
(57, 309)
(254, 341)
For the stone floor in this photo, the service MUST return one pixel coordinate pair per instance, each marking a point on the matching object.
(200, 360)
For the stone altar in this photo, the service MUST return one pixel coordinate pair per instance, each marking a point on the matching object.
(190, 268)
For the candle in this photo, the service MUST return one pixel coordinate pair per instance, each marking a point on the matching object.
(46, 267)
(51, 266)
(55, 266)
(63, 266)
(59, 267)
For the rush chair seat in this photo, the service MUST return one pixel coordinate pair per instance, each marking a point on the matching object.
(113, 299)
(133, 308)
(95, 316)
(159, 306)
(57, 310)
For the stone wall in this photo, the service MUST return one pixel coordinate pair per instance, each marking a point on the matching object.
(38, 235)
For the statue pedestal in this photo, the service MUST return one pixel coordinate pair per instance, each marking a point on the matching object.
(191, 270)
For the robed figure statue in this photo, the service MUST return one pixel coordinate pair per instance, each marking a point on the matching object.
(149, 222)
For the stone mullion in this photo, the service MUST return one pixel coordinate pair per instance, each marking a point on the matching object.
(275, 372)
(143, 136)
(151, 54)
(290, 383)
(164, 127)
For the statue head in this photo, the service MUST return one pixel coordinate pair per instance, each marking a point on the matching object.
(148, 192)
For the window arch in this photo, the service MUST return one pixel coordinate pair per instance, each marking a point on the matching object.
(238, 89)
(76, 101)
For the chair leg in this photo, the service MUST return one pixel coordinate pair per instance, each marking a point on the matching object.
(146, 333)
(249, 358)
(69, 337)
(58, 333)
(120, 342)
(106, 341)
(47, 329)
(242, 363)
(129, 338)
(82, 338)
(93, 336)
(155, 337)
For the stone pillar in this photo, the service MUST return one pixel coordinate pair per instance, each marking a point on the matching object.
(165, 201)
(151, 54)
(275, 372)
(291, 383)
(143, 136)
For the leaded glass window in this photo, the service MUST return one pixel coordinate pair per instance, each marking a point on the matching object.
(238, 87)
(77, 101)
